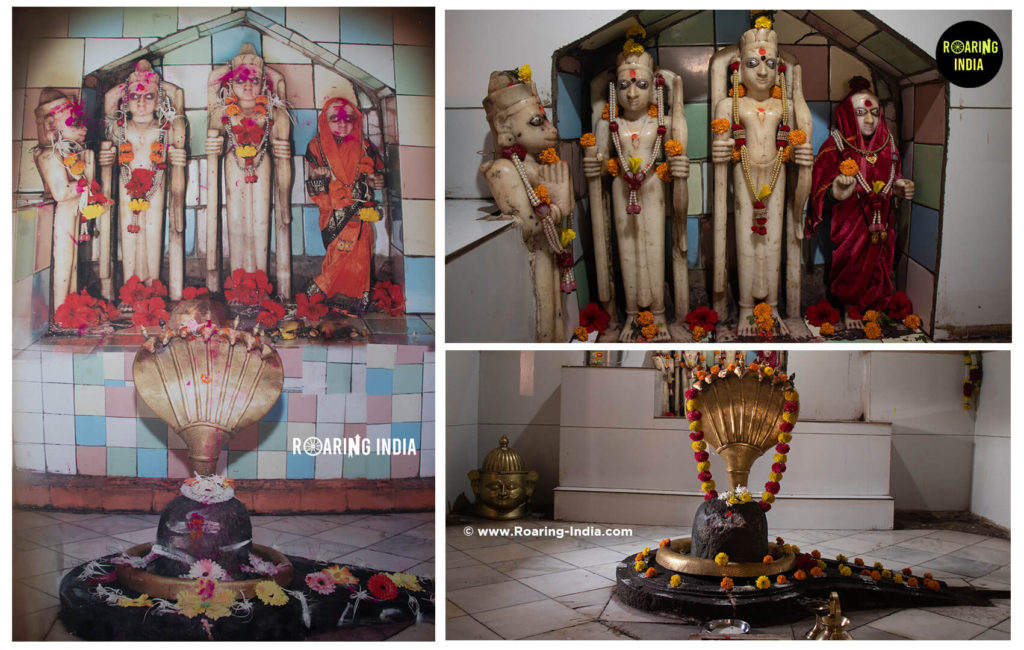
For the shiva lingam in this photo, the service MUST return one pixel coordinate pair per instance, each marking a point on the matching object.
(740, 412)
(207, 383)
(503, 486)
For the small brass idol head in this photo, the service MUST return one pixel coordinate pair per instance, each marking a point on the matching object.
(502, 486)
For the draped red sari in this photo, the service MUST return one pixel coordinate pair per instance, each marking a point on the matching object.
(861, 274)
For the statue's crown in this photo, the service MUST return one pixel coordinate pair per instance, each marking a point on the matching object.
(503, 92)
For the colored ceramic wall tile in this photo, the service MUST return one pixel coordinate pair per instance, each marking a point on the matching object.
(849, 22)
(314, 353)
(299, 83)
(378, 466)
(416, 120)
(278, 410)
(358, 378)
(61, 459)
(414, 26)
(377, 60)
(121, 432)
(28, 397)
(113, 365)
(57, 367)
(91, 461)
(55, 62)
(178, 464)
(418, 227)
(691, 63)
(792, 30)
(90, 430)
(44, 237)
(695, 189)
(228, 43)
(921, 291)
(88, 368)
(152, 463)
(924, 236)
(427, 463)
(24, 243)
(697, 29)
(406, 407)
(302, 408)
(150, 21)
(90, 400)
(821, 116)
(380, 356)
(330, 408)
(379, 381)
(312, 239)
(378, 409)
(408, 379)
(697, 130)
(405, 465)
(242, 464)
(151, 433)
(419, 285)
(189, 16)
(329, 466)
(355, 466)
(929, 110)
(273, 436)
(30, 456)
(367, 25)
(314, 377)
(571, 106)
(28, 175)
(414, 70)
(815, 70)
(730, 25)
(100, 51)
(271, 464)
(192, 80)
(28, 427)
(95, 21)
(196, 52)
(291, 360)
(339, 378)
(928, 174)
(59, 429)
(120, 401)
(300, 466)
(428, 407)
(896, 53)
(315, 23)
(842, 67)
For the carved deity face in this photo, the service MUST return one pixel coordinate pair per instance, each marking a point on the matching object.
(758, 63)
(247, 82)
(142, 97)
(531, 128)
(868, 111)
(634, 87)
(66, 120)
(503, 492)
(341, 120)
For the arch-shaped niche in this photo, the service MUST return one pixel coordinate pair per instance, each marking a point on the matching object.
(832, 46)
(312, 73)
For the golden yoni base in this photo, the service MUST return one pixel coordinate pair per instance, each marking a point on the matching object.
(676, 557)
(167, 587)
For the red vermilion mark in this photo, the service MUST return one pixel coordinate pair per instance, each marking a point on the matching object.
(762, 51)
(632, 74)
(867, 102)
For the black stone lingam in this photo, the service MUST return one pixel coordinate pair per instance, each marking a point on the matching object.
(190, 531)
(739, 530)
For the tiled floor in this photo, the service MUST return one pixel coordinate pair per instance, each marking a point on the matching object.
(47, 544)
(542, 587)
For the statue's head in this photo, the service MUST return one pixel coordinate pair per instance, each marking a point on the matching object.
(247, 77)
(59, 117)
(516, 116)
(142, 92)
(342, 118)
(866, 106)
(502, 484)
(634, 73)
(759, 58)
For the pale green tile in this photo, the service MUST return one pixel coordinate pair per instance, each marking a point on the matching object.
(273, 436)
(151, 433)
(314, 353)
(355, 466)
(848, 22)
(196, 52)
(414, 70)
(339, 378)
(408, 378)
(121, 461)
(695, 30)
(697, 130)
(88, 369)
(895, 52)
(695, 189)
(25, 244)
(377, 466)
(928, 175)
(150, 21)
(197, 131)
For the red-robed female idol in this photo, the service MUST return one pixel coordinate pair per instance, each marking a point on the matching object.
(344, 169)
(856, 174)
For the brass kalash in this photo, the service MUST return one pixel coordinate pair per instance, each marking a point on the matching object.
(207, 382)
(739, 411)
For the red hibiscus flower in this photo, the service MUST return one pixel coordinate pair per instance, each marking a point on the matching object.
(272, 312)
(247, 288)
(190, 293)
(77, 311)
(248, 132)
(899, 306)
(389, 297)
(134, 292)
(381, 587)
(823, 312)
(703, 317)
(594, 318)
(854, 312)
(141, 182)
(311, 308)
(150, 312)
(157, 287)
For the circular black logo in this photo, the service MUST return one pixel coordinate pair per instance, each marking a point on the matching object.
(969, 54)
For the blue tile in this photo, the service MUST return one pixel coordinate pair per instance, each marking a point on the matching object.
(819, 256)
(730, 25)
(91, 430)
(379, 381)
(227, 43)
(299, 465)
(113, 382)
(242, 464)
(406, 430)
(570, 106)
(311, 232)
(924, 236)
(95, 21)
(419, 285)
(297, 243)
(821, 119)
(190, 231)
(273, 436)
(366, 25)
(279, 411)
(692, 241)
(276, 14)
(152, 463)
(303, 129)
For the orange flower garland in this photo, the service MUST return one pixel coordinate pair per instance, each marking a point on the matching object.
(848, 168)
(719, 126)
(588, 140)
(673, 147)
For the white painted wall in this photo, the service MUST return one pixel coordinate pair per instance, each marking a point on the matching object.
(990, 487)
(462, 390)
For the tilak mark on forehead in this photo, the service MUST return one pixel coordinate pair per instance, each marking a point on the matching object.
(867, 102)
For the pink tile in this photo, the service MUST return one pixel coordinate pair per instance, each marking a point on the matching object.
(414, 26)
(410, 353)
(378, 409)
(406, 466)
(299, 82)
(92, 461)
(246, 440)
(930, 114)
(177, 463)
(291, 358)
(353, 429)
(301, 408)
(44, 234)
(814, 65)
(417, 172)
(121, 401)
